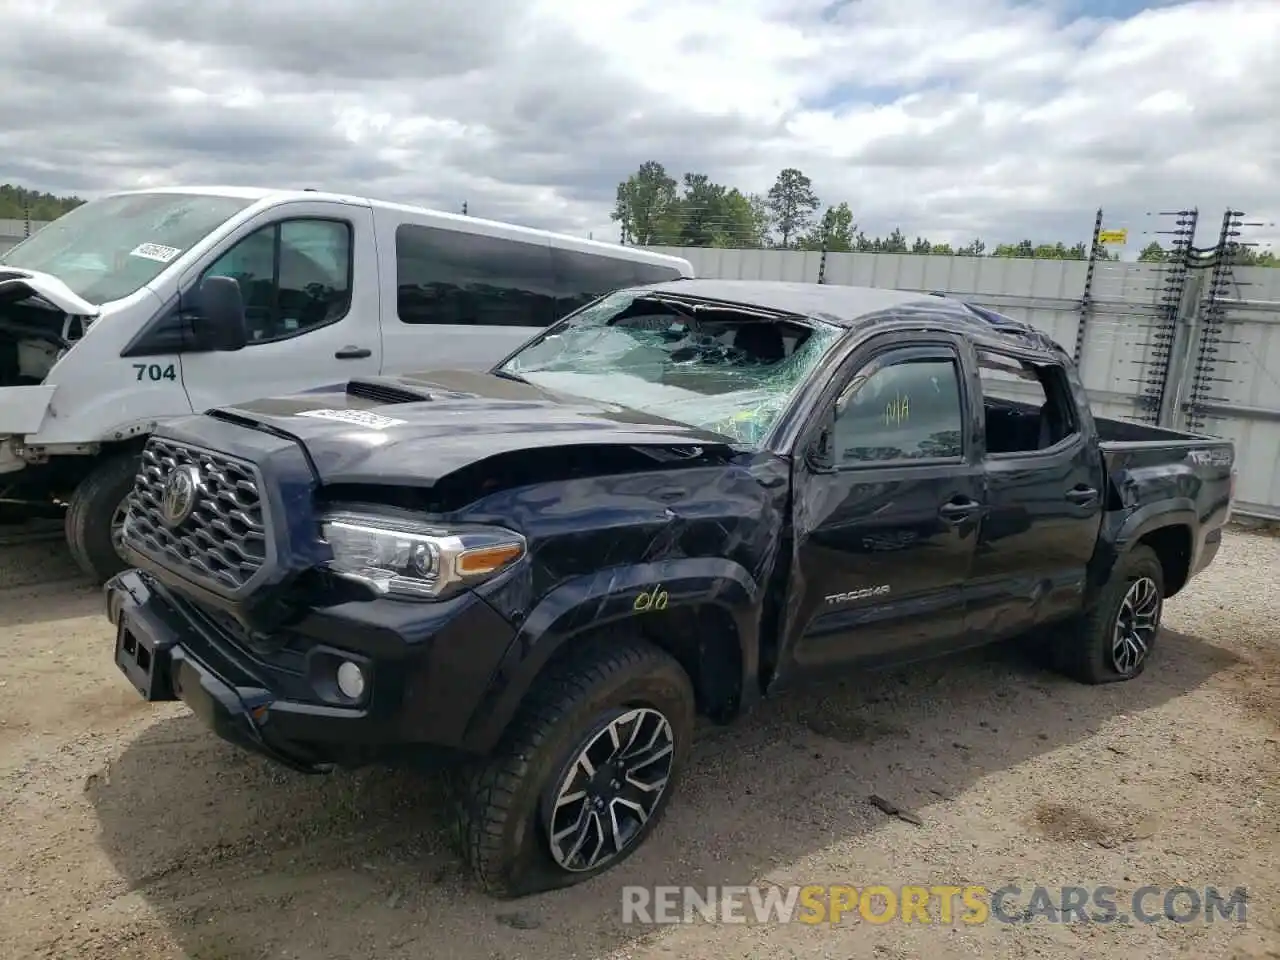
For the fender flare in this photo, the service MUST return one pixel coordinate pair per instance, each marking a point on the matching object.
(613, 596)
(1132, 527)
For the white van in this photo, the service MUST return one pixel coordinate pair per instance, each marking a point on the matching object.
(107, 320)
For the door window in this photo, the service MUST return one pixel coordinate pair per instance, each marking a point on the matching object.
(904, 410)
(294, 276)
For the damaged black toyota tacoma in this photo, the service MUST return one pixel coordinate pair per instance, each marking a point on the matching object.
(671, 503)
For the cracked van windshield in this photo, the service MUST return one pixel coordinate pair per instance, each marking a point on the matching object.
(110, 248)
(720, 369)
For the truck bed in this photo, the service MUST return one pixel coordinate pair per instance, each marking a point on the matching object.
(1145, 463)
(1125, 434)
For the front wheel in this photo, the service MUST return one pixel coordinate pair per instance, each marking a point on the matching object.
(95, 517)
(1113, 642)
(584, 775)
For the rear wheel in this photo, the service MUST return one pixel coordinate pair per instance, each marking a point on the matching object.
(1114, 641)
(585, 773)
(95, 517)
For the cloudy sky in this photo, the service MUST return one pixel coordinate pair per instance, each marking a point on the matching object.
(1001, 118)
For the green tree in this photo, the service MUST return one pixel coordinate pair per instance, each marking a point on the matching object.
(644, 205)
(17, 203)
(792, 202)
(1152, 253)
(834, 232)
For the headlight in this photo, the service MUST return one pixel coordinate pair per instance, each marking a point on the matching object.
(405, 558)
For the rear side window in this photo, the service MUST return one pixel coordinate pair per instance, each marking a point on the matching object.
(454, 277)
(656, 273)
(1026, 407)
(583, 277)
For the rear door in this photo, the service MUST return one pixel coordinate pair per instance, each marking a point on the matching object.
(1045, 497)
(309, 279)
(885, 529)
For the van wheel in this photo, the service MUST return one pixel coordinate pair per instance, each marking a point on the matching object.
(95, 517)
(584, 773)
(1114, 640)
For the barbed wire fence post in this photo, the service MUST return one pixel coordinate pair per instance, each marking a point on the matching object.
(1086, 296)
(822, 257)
(1215, 319)
(1156, 367)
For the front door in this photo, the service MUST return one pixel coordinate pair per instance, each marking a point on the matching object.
(885, 528)
(1045, 498)
(310, 288)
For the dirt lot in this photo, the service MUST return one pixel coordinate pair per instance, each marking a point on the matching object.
(128, 831)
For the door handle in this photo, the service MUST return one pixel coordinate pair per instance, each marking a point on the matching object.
(1082, 495)
(353, 353)
(957, 511)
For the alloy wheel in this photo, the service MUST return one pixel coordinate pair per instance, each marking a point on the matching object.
(610, 790)
(1136, 625)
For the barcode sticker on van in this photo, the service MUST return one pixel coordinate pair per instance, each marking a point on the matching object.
(361, 418)
(154, 251)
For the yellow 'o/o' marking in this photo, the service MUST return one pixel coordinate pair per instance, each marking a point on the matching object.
(655, 599)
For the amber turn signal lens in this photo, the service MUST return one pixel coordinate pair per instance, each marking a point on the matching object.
(487, 559)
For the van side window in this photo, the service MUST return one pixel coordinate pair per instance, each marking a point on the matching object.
(456, 277)
(583, 277)
(908, 410)
(294, 276)
(1026, 406)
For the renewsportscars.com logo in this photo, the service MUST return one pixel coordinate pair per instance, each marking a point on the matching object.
(937, 903)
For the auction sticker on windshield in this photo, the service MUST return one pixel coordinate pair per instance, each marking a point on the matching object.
(361, 418)
(154, 251)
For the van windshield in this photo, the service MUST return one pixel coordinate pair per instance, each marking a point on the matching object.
(721, 367)
(110, 248)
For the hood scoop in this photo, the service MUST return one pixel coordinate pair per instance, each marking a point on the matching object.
(386, 390)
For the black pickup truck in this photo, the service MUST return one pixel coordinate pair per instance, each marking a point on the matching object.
(671, 503)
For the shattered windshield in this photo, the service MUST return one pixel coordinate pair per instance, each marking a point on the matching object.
(108, 249)
(726, 369)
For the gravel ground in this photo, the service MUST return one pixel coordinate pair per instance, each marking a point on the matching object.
(129, 831)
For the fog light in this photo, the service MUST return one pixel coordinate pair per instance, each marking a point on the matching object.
(350, 680)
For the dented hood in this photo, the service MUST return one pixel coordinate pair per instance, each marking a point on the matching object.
(358, 433)
(20, 284)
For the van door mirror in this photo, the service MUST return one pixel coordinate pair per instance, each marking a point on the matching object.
(221, 325)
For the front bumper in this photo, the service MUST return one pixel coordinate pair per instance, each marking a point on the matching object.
(420, 697)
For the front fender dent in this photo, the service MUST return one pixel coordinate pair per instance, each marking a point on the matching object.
(621, 594)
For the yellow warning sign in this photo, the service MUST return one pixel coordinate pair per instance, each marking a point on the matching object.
(1119, 237)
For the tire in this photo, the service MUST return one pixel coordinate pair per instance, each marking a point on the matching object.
(1090, 651)
(90, 516)
(506, 803)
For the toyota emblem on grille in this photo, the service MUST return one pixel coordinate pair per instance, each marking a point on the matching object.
(181, 491)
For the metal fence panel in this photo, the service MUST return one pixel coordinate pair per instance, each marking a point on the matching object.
(13, 231)
(1242, 367)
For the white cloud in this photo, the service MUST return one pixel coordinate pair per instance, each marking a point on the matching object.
(993, 117)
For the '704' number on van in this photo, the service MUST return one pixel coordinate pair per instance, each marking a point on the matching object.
(154, 371)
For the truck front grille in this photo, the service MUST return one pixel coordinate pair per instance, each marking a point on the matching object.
(220, 536)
